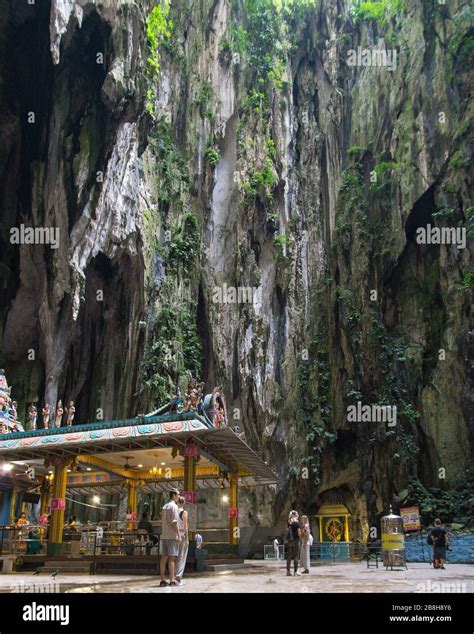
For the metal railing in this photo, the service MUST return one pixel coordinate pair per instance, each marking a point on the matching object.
(335, 552)
(29, 539)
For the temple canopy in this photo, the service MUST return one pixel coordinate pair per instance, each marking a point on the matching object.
(105, 445)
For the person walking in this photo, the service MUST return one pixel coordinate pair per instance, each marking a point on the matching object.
(305, 544)
(438, 538)
(170, 538)
(293, 542)
(184, 543)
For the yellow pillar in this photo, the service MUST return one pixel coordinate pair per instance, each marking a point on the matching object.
(190, 483)
(346, 528)
(13, 505)
(132, 501)
(45, 498)
(233, 509)
(58, 505)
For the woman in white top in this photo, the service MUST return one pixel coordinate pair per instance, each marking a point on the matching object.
(305, 544)
(184, 543)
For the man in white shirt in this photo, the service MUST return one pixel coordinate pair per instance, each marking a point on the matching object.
(170, 538)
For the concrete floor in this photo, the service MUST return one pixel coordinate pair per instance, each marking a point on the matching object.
(263, 577)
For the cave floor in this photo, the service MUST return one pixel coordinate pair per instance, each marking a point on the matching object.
(264, 577)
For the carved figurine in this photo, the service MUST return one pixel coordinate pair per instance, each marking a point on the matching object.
(193, 396)
(14, 412)
(59, 413)
(46, 415)
(70, 413)
(32, 417)
(7, 410)
(219, 414)
(175, 403)
(3, 381)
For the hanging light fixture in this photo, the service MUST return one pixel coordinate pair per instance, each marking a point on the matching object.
(155, 470)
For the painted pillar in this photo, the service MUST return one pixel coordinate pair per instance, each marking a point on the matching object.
(45, 498)
(58, 506)
(13, 504)
(233, 509)
(346, 528)
(5, 514)
(189, 493)
(132, 501)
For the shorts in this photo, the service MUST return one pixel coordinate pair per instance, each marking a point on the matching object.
(169, 547)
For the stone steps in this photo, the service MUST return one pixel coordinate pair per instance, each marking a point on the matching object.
(64, 566)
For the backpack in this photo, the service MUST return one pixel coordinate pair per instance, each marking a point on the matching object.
(429, 539)
(289, 534)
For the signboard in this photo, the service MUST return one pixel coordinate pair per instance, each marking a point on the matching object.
(411, 518)
(393, 541)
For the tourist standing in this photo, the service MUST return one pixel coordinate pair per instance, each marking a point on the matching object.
(305, 544)
(184, 543)
(293, 543)
(438, 538)
(170, 538)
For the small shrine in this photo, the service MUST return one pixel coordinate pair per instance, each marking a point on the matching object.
(333, 523)
(334, 541)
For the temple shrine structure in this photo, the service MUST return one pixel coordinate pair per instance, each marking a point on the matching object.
(191, 436)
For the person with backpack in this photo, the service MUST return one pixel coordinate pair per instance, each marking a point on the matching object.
(438, 539)
(293, 543)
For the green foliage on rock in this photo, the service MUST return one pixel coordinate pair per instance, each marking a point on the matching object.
(375, 10)
(175, 350)
(158, 29)
(212, 155)
(184, 245)
(314, 377)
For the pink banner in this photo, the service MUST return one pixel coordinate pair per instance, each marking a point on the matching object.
(190, 496)
(58, 504)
